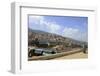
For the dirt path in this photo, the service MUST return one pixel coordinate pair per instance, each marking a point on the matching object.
(74, 56)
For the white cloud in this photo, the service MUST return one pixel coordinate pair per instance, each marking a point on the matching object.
(52, 27)
(75, 34)
(70, 32)
(43, 24)
(36, 19)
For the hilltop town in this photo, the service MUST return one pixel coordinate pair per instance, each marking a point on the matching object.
(36, 37)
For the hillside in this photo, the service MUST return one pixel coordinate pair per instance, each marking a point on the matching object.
(41, 35)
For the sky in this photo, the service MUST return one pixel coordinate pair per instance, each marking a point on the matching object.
(74, 27)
